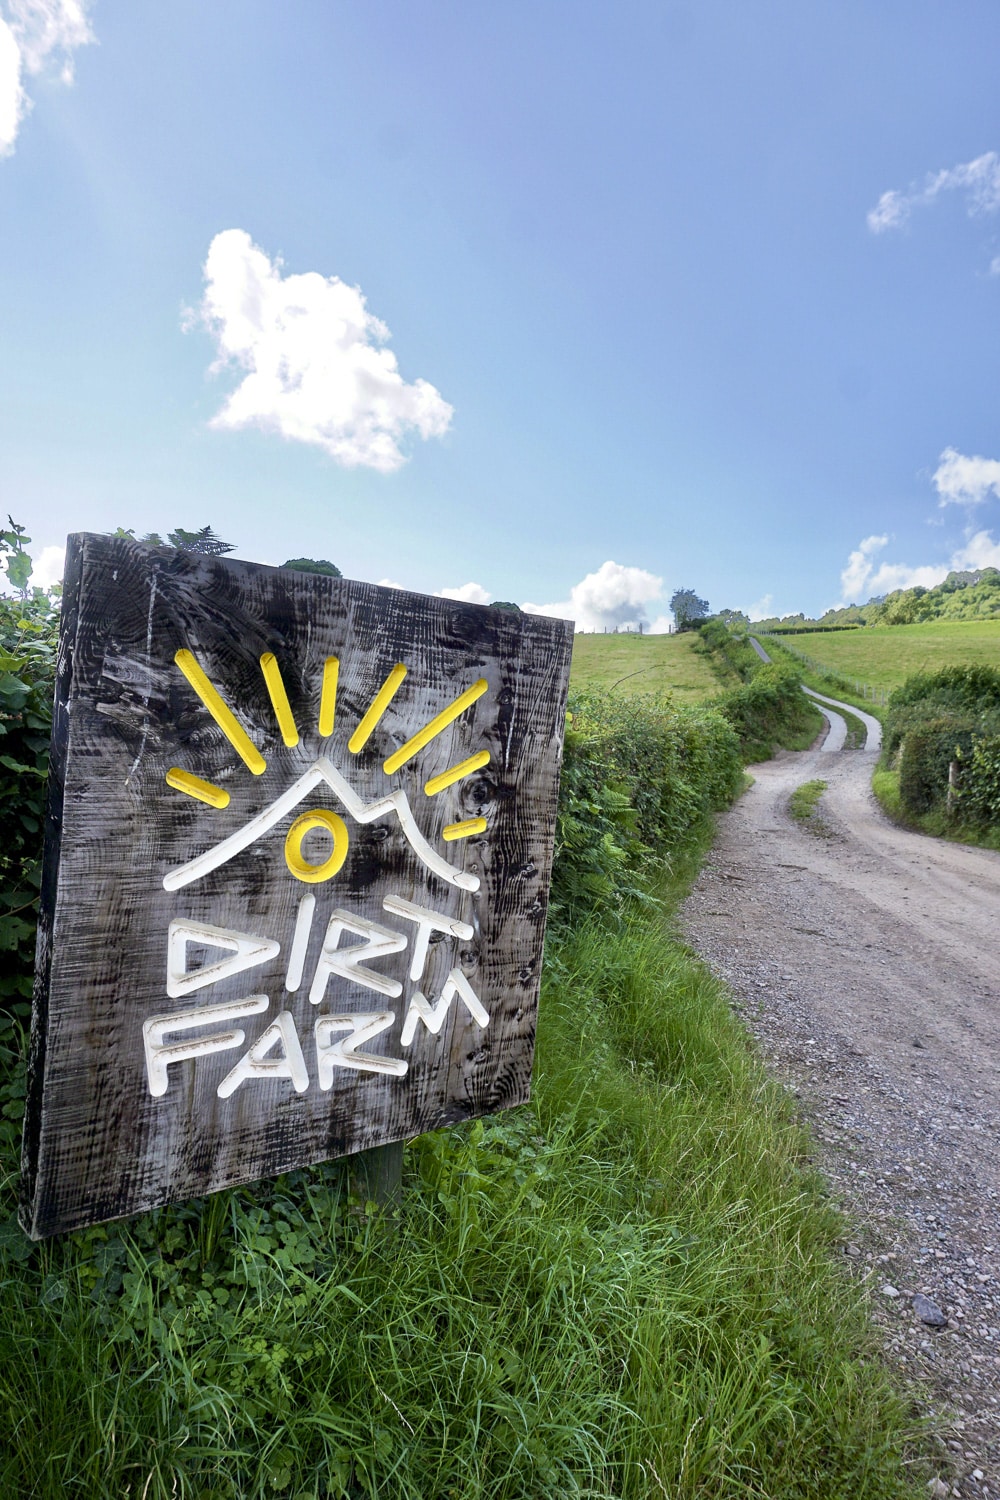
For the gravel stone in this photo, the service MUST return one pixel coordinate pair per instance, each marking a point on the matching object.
(928, 1312)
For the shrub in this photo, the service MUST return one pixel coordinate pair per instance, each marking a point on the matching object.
(938, 717)
(980, 782)
(766, 709)
(974, 688)
(639, 775)
(925, 755)
(734, 653)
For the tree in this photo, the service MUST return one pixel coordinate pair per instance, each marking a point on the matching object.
(313, 565)
(512, 609)
(688, 609)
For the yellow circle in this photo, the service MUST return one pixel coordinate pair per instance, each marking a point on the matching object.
(296, 860)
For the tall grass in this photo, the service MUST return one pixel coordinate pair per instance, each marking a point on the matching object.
(626, 1288)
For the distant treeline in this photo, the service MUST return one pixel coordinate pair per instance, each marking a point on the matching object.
(971, 595)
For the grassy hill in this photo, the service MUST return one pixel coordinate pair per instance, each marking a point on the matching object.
(644, 663)
(885, 655)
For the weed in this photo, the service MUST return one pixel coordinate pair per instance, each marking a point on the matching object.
(802, 805)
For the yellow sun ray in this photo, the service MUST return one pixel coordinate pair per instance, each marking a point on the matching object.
(379, 704)
(221, 713)
(279, 698)
(439, 723)
(463, 830)
(328, 696)
(456, 773)
(205, 791)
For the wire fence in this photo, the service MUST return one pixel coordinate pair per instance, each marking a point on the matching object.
(641, 629)
(864, 690)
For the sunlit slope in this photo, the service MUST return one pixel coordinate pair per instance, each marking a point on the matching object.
(643, 664)
(885, 655)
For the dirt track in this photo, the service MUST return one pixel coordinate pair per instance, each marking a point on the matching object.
(866, 961)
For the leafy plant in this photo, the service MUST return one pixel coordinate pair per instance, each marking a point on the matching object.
(979, 796)
(640, 774)
(16, 561)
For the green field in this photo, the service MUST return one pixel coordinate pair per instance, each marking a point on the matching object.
(885, 655)
(644, 664)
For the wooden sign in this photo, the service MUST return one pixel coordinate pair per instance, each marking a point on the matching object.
(296, 873)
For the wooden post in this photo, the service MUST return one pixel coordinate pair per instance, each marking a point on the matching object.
(377, 1175)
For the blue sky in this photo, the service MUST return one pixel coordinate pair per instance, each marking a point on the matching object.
(572, 302)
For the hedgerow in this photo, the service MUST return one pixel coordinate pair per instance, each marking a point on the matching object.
(938, 720)
(639, 775)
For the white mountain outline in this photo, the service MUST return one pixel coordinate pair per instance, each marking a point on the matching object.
(322, 770)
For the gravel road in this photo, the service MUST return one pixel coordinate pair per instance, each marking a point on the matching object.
(865, 961)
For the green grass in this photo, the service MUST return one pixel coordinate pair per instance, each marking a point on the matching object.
(833, 686)
(628, 1288)
(885, 655)
(885, 785)
(936, 823)
(857, 734)
(812, 727)
(803, 801)
(644, 664)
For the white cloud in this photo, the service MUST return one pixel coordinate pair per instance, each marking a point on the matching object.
(614, 595)
(960, 479)
(866, 582)
(314, 368)
(662, 625)
(390, 583)
(469, 593)
(12, 97)
(33, 32)
(995, 266)
(890, 212)
(979, 178)
(763, 609)
(892, 576)
(854, 578)
(980, 551)
(963, 480)
(49, 567)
